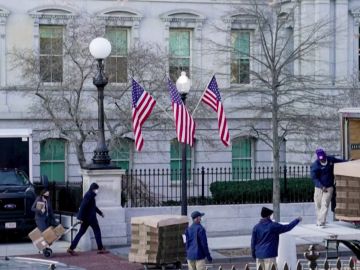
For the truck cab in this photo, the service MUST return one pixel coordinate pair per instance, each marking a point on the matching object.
(17, 193)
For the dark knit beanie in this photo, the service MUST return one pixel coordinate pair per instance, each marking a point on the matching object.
(266, 212)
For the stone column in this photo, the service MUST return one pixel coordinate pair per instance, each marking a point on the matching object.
(342, 40)
(322, 14)
(108, 200)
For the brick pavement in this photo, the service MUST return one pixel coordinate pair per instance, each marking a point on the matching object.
(92, 261)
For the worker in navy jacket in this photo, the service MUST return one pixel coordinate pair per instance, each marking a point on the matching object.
(322, 174)
(87, 217)
(265, 238)
(196, 243)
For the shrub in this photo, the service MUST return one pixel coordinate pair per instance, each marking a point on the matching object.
(260, 191)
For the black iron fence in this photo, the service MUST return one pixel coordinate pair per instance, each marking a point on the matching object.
(162, 187)
(65, 197)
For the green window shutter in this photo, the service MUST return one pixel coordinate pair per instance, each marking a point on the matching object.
(240, 63)
(120, 153)
(241, 158)
(176, 160)
(51, 53)
(179, 43)
(117, 63)
(52, 159)
(118, 38)
(179, 49)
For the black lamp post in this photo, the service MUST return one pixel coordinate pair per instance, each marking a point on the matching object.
(100, 48)
(183, 86)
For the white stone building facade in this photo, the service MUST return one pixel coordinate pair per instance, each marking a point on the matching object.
(174, 25)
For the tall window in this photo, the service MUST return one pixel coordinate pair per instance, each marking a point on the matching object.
(240, 63)
(51, 53)
(176, 160)
(289, 38)
(117, 63)
(120, 153)
(52, 159)
(179, 48)
(241, 158)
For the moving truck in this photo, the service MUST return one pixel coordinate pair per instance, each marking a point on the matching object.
(16, 189)
(350, 133)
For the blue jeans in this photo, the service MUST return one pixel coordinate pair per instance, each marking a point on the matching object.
(84, 226)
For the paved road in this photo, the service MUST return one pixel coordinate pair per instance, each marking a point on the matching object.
(92, 261)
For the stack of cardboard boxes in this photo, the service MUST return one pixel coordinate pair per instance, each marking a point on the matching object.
(158, 239)
(47, 237)
(347, 178)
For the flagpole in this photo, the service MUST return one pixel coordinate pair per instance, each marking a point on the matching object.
(165, 111)
(197, 105)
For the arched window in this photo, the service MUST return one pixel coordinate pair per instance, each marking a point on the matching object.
(176, 160)
(122, 30)
(53, 159)
(183, 35)
(241, 28)
(50, 23)
(242, 157)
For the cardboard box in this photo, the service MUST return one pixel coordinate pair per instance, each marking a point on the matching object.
(49, 235)
(40, 243)
(34, 234)
(59, 230)
(40, 205)
(158, 239)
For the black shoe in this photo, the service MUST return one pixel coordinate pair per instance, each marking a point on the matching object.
(71, 252)
(102, 251)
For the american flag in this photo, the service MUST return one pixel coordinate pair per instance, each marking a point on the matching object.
(212, 98)
(185, 125)
(142, 106)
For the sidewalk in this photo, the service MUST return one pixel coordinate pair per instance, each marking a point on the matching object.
(304, 234)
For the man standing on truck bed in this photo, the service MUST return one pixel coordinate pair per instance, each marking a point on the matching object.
(322, 174)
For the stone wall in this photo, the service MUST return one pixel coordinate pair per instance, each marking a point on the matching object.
(222, 220)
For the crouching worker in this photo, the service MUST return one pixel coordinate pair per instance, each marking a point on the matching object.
(44, 215)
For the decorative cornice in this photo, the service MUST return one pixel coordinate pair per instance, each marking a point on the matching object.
(239, 19)
(119, 16)
(4, 13)
(116, 18)
(183, 16)
(52, 14)
(355, 13)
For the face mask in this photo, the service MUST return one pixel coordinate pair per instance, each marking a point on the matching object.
(96, 191)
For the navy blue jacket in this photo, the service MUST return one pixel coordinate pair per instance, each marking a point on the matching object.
(265, 237)
(196, 243)
(88, 208)
(323, 176)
